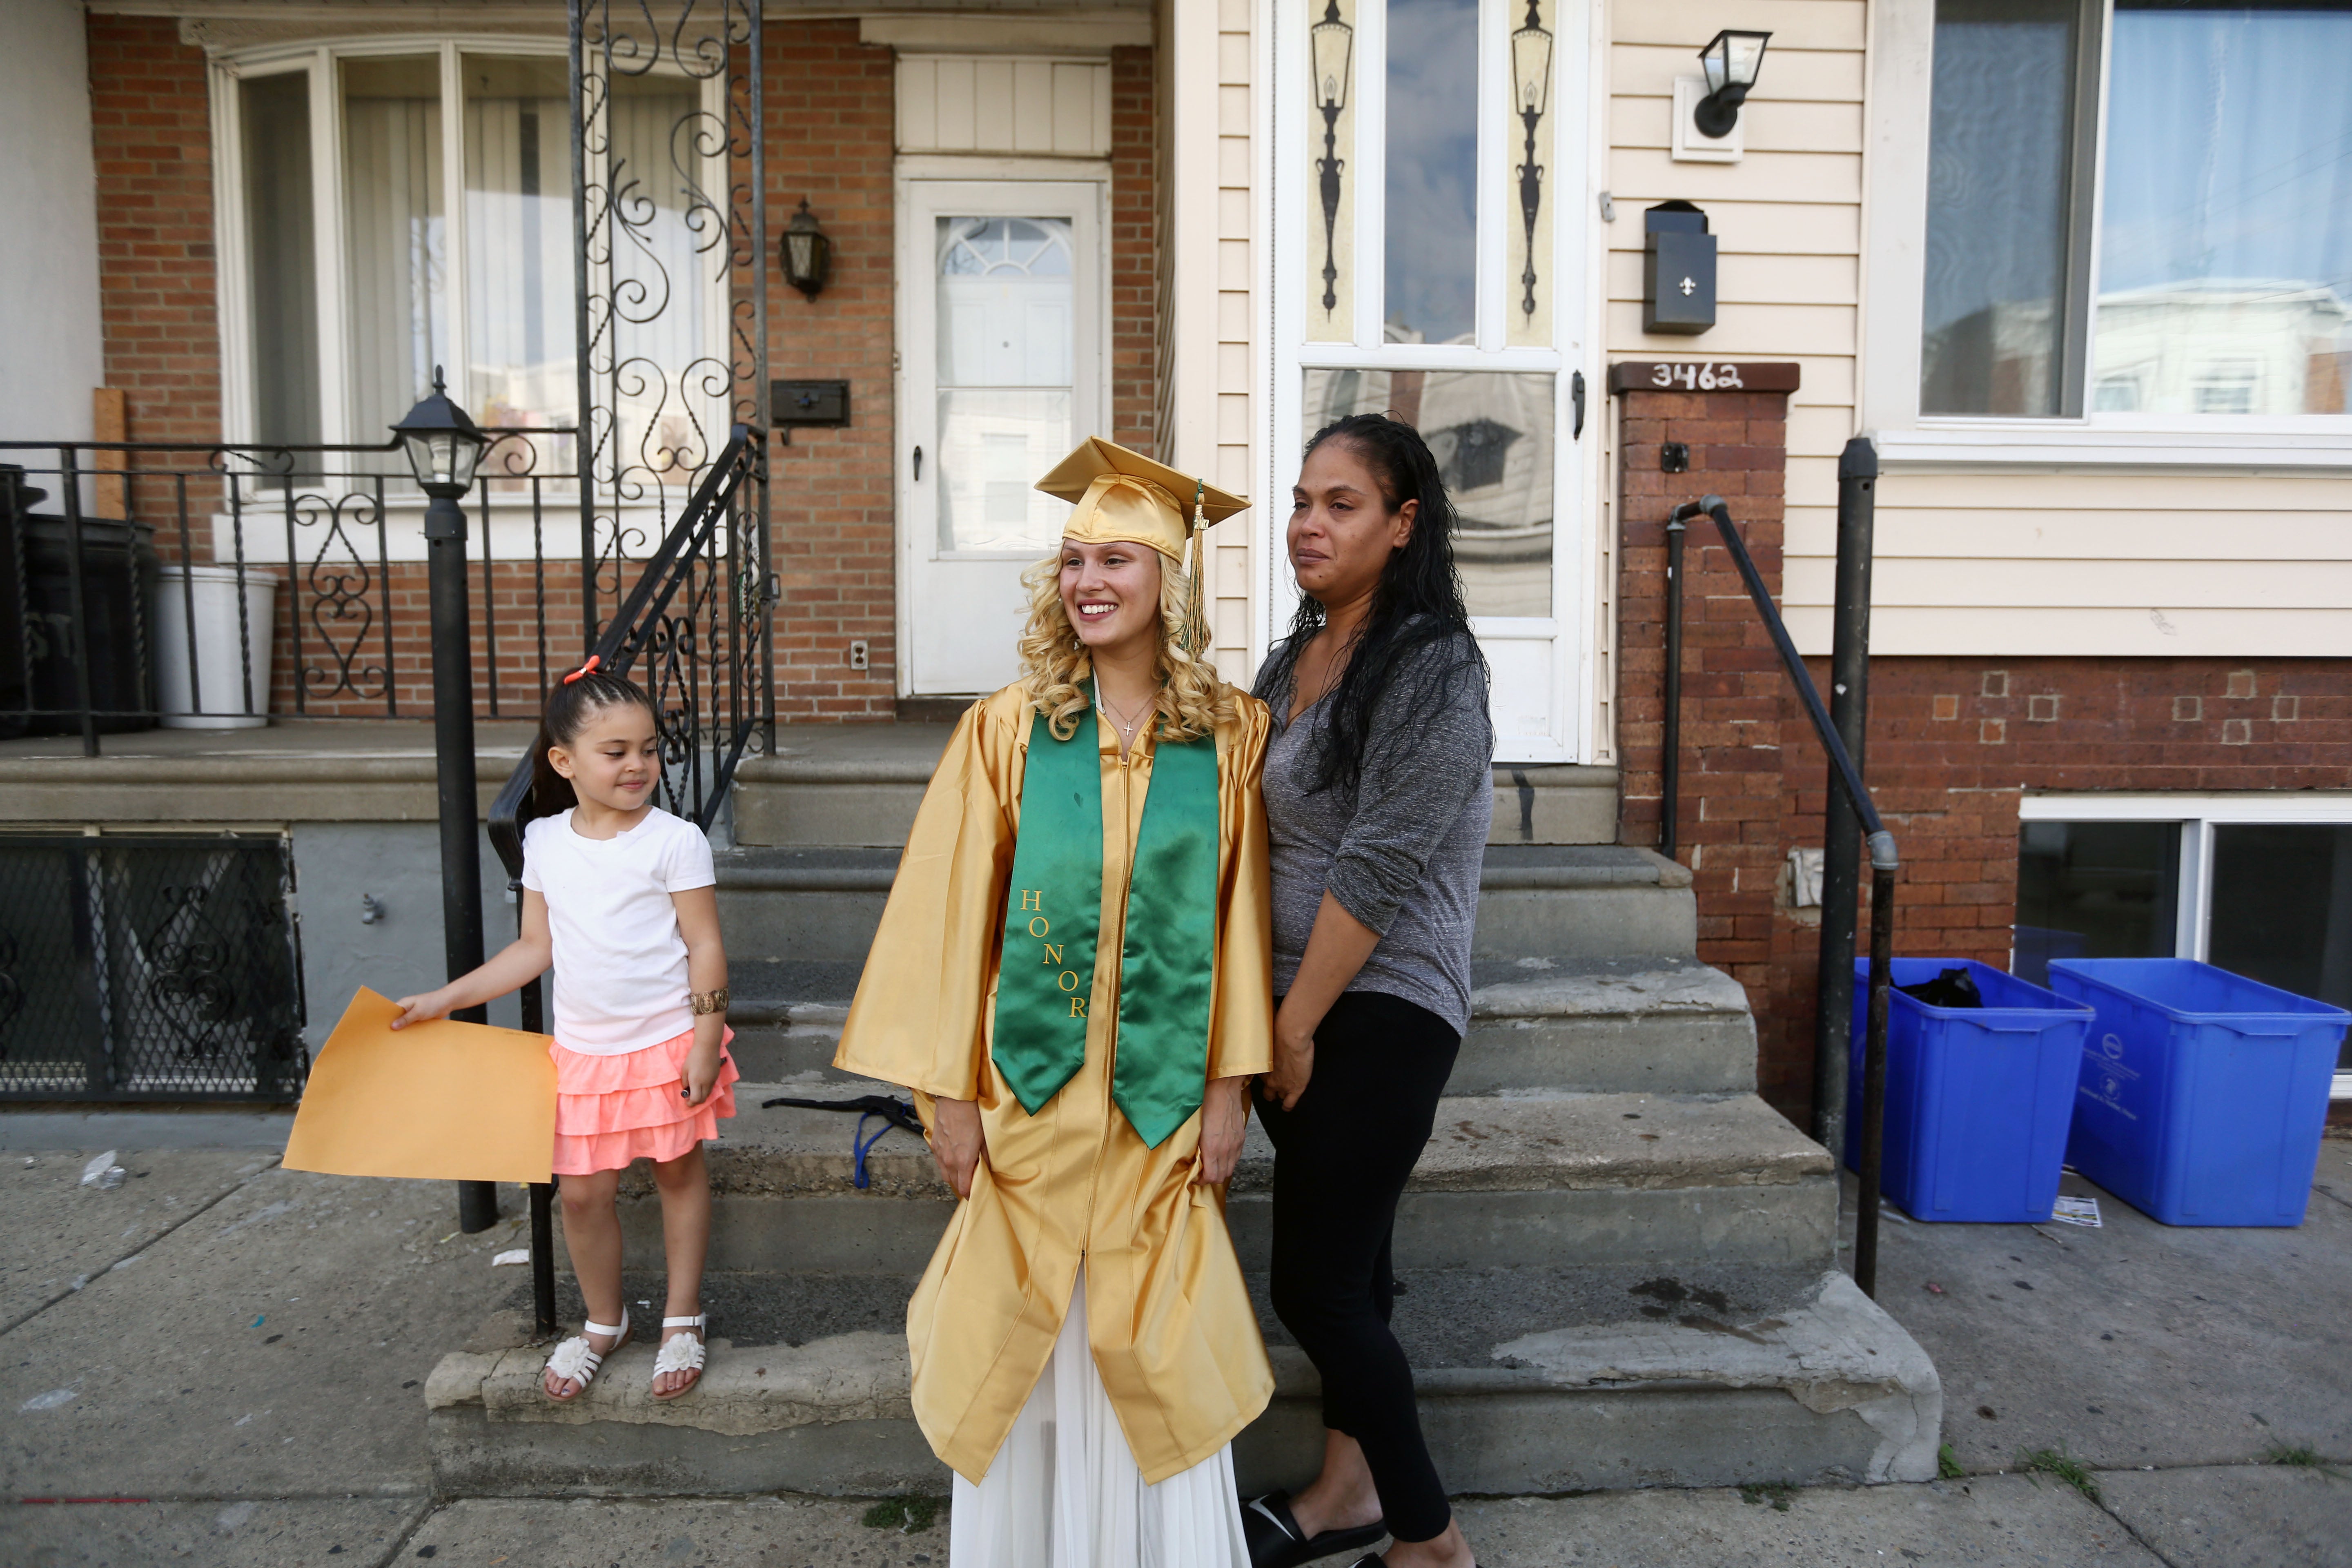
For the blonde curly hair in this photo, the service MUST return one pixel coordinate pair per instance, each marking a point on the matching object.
(1192, 702)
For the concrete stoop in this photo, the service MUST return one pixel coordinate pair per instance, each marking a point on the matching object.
(823, 904)
(860, 785)
(1629, 1025)
(1820, 1387)
(1599, 1178)
(1615, 1262)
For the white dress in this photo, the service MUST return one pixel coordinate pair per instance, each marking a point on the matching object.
(1064, 1492)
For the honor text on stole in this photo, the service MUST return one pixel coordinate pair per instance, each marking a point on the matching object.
(1033, 904)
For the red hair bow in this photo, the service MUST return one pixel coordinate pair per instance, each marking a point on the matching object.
(593, 660)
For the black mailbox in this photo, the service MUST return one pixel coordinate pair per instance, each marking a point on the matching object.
(808, 404)
(1677, 269)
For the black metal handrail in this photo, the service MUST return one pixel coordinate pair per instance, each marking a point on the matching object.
(688, 561)
(1884, 860)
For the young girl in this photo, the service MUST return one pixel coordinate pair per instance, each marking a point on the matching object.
(621, 896)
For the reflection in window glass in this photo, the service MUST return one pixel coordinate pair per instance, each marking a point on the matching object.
(1006, 318)
(2225, 249)
(518, 246)
(1997, 207)
(2094, 889)
(395, 239)
(2282, 908)
(1491, 433)
(280, 248)
(1432, 243)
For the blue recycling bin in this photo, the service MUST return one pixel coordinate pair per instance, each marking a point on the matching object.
(2202, 1094)
(1977, 1097)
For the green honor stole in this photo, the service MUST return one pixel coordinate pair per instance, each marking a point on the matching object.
(1053, 919)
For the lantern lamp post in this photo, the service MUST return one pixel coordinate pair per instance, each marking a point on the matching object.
(443, 445)
(1531, 89)
(1334, 47)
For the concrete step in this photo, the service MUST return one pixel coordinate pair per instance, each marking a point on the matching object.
(1657, 1026)
(1505, 1181)
(1552, 902)
(1531, 1380)
(850, 785)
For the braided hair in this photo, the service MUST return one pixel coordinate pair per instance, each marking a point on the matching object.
(1417, 603)
(572, 702)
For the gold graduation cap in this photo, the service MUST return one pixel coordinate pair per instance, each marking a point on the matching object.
(1124, 495)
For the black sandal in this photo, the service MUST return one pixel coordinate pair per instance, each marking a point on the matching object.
(1275, 1540)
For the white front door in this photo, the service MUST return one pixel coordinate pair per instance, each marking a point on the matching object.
(1428, 209)
(1001, 328)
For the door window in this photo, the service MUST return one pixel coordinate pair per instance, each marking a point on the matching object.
(1491, 433)
(1006, 318)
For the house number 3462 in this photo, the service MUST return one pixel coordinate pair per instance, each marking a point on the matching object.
(1706, 377)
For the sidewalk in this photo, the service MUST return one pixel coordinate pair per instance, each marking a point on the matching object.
(239, 1351)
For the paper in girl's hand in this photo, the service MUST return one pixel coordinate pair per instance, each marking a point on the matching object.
(441, 1100)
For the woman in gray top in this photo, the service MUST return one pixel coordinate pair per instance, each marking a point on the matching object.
(1378, 798)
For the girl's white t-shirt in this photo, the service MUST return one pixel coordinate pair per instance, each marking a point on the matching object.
(620, 960)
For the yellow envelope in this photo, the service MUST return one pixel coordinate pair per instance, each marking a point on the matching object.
(443, 1100)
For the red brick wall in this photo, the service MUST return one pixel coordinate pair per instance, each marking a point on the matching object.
(830, 108)
(1135, 278)
(830, 115)
(151, 132)
(1732, 798)
(1952, 743)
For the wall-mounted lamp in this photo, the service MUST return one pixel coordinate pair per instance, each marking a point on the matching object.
(805, 251)
(1732, 60)
(1531, 93)
(1333, 44)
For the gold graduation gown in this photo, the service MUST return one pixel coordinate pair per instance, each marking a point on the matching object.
(1170, 1320)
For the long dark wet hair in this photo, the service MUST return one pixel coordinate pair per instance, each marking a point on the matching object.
(571, 704)
(1417, 602)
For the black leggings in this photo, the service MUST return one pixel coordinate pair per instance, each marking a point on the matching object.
(1341, 1157)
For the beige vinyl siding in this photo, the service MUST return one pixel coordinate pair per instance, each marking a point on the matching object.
(2164, 564)
(1787, 222)
(989, 104)
(1233, 319)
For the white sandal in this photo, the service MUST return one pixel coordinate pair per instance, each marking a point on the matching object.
(681, 1353)
(576, 1360)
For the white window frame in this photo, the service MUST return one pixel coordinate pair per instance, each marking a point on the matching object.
(320, 59)
(2198, 816)
(1894, 248)
(1293, 212)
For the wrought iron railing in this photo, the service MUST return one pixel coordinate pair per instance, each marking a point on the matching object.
(1846, 779)
(216, 584)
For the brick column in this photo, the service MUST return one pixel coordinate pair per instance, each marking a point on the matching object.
(1733, 801)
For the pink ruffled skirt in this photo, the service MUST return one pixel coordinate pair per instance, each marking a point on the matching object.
(611, 1110)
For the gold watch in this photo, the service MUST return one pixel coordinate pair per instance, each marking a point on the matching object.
(708, 1001)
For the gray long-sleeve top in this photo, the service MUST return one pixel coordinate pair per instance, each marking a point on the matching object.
(1401, 851)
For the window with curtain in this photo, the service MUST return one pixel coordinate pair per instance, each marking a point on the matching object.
(452, 218)
(2219, 279)
(396, 241)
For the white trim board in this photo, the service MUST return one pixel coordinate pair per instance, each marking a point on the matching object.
(2275, 805)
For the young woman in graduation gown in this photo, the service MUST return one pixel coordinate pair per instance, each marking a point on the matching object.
(1074, 976)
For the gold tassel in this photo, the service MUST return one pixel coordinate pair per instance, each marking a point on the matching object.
(1195, 639)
